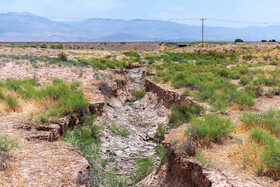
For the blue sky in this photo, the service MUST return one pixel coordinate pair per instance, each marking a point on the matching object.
(247, 10)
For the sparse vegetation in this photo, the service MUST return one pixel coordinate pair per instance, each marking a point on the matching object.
(269, 120)
(182, 113)
(269, 157)
(67, 98)
(160, 150)
(145, 167)
(56, 47)
(62, 56)
(226, 79)
(203, 161)
(160, 132)
(131, 54)
(12, 102)
(138, 94)
(205, 80)
(210, 128)
(44, 46)
(6, 144)
(119, 131)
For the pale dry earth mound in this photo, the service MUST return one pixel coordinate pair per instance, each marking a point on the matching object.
(40, 163)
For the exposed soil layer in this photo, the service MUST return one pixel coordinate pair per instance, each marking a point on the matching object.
(41, 163)
(53, 131)
(183, 170)
(168, 96)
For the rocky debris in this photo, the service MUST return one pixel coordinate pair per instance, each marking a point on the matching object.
(131, 66)
(121, 71)
(117, 88)
(147, 73)
(83, 176)
(51, 132)
(97, 108)
(168, 96)
(140, 117)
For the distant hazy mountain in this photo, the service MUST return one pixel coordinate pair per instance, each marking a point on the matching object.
(29, 27)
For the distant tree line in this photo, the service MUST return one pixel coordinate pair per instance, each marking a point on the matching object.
(273, 40)
(240, 40)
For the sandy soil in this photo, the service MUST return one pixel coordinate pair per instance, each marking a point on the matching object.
(39, 163)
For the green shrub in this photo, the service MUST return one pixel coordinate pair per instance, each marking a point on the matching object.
(12, 102)
(119, 131)
(244, 80)
(245, 99)
(270, 156)
(73, 101)
(210, 128)
(248, 57)
(88, 120)
(62, 56)
(271, 92)
(234, 74)
(6, 144)
(269, 120)
(255, 91)
(160, 132)
(83, 62)
(261, 136)
(2, 84)
(251, 119)
(223, 72)
(145, 167)
(67, 100)
(182, 113)
(160, 150)
(83, 139)
(86, 141)
(16, 84)
(2, 96)
(75, 84)
(98, 65)
(262, 80)
(110, 64)
(138, 94)
(56, 47)
(131, 54)
(96, 130)
(43, 46)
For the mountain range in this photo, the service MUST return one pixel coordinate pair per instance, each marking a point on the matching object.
(26, 27)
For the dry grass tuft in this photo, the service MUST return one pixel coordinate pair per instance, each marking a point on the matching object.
(246, 155)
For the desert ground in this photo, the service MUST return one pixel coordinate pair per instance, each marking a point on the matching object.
(139, 114)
